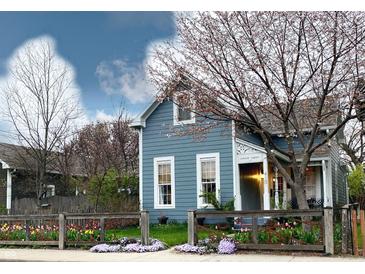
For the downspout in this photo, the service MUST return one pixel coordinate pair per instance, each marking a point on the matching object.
(324, 177)
(140, 168)
(8, 190)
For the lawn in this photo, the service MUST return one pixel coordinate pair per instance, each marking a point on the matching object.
(171, 234)
(359, 238)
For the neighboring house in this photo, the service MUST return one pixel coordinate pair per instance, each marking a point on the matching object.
(176, 168)
(18, 173)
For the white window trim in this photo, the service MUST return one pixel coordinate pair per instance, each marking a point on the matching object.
(53, 190)
(200, 157)
(156, 160)
(185, 122)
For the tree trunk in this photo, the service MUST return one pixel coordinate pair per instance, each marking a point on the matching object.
(302, 202)
(300, 195)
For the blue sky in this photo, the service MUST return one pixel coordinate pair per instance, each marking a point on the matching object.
(103, 47)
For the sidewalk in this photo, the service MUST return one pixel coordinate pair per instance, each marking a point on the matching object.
(54, 255)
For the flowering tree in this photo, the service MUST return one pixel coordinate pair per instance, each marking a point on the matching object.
(352, 143)
(108, 153)
(287, 72)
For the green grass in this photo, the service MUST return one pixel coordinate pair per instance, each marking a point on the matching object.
(171, 234)
(359, 238)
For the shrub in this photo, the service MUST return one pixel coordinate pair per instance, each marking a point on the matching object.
(243, 237)
(356, 180)
(263, 236)
(311, 237)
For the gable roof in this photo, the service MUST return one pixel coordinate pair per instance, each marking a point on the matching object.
(140, 121)
(303, 109)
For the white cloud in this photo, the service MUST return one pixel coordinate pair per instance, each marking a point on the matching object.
(117, 77)
(71, 97)
(101, 116)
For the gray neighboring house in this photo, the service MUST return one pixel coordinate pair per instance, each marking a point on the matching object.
(176, 168)
(17, 175)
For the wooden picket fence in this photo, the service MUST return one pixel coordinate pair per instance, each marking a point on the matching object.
(62, 242)
(326, 216)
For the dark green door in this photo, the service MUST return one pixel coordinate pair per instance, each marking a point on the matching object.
(250, 186)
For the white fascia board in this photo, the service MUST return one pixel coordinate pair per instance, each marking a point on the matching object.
(140, 121)
(4, 164)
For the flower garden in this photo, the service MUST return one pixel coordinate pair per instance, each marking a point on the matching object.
(48, 232)
(213, 239)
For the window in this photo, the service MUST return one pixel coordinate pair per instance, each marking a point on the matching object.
(182, 115)
(50, 190)
(164, 182)
(208, 177)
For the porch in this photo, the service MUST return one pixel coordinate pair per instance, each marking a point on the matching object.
(260, 186)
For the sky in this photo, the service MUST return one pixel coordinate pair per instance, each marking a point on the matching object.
(106, 49)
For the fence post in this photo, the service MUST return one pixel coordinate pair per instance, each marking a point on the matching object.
(345, 230)
(61, 231)
(328, 230)
(145, 227)
(362, 227)
(27, 230)
(254, 230)
(192, 235)
(355, 247)
(102, 229)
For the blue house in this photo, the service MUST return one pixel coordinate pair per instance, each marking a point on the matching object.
(176, 168)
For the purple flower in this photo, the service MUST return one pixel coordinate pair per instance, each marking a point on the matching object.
(226, 246)
(103, 248)
(187, 248)
(155, 245)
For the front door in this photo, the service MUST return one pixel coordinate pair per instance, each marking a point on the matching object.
(250, 181)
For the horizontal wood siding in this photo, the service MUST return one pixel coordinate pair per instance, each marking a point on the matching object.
(160, 139)
(338, 176)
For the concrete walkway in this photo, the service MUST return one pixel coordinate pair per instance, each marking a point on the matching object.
(54, 255)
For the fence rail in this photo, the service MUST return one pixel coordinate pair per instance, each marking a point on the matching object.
(327, 223)
(62, 242)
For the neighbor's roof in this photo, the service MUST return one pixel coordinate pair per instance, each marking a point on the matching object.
(18, 157)
(305, 111)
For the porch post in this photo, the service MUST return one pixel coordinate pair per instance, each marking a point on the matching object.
(324, 182)
(285, 202)
(8, 190)
(266, 195)
(276, 188)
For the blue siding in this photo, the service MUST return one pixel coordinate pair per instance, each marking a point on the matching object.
(159, 139)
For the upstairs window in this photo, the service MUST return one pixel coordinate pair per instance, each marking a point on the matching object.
(182, 115)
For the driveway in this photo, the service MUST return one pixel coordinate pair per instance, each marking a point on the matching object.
(54, 255)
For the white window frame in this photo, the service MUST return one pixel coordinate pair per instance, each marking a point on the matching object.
(53, 190)
(176, 113)
(156, 161)
(199, 158)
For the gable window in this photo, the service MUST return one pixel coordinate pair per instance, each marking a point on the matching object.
(164, 182)
(208, 177)
(181, 114)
